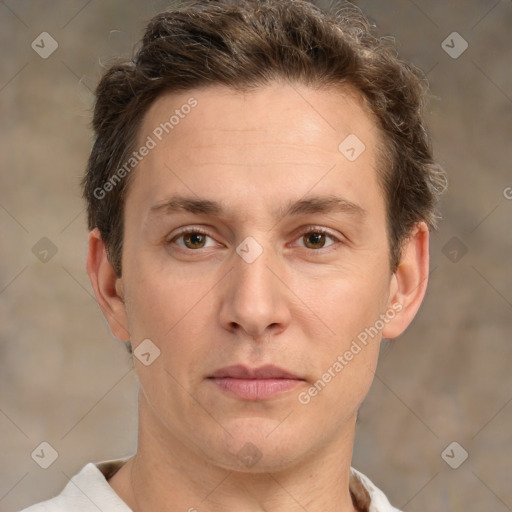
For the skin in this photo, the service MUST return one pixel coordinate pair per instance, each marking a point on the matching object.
(298, 305)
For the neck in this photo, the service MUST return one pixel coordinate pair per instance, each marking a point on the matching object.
(165, 471)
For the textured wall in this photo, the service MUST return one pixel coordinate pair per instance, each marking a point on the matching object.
(64, 380)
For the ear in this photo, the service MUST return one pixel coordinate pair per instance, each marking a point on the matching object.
(108, 288)
(409, 282)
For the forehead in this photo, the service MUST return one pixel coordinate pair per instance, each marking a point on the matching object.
(272, 140)
(301, 110)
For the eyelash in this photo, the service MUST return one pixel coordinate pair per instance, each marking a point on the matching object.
(308, 230)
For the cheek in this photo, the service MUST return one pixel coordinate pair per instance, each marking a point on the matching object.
(348, 301)
(160, 299)
(346, 357)
(175, 316)
(345, 361)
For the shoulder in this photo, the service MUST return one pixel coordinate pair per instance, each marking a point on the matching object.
(87, 491)
(367, 495)
(45, 506)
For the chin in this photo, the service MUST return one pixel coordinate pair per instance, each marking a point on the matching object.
(258, 445)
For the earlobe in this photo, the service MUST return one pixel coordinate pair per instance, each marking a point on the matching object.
(409, 282)
(108, 288)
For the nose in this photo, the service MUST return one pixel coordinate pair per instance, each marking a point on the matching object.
(255, 298)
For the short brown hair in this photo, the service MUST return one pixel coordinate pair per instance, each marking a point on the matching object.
(244, 45)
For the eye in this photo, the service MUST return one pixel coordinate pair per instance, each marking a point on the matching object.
(193, 239)
(317, 239)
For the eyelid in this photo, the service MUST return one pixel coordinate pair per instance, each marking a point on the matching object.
(186, 231)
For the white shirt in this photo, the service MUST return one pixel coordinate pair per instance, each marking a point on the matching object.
(89, 491)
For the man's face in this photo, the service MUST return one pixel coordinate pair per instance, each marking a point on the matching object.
(286, 265)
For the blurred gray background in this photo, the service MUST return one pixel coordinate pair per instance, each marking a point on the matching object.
(63, 378)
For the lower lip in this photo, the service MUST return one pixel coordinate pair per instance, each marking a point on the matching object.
(255, 389)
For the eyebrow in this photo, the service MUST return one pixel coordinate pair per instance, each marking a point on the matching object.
(304, 206)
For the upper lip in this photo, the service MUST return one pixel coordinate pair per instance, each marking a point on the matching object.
(263, 372)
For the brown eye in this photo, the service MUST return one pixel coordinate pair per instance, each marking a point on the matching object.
(317, 238)
(194, 240)
(314, 240)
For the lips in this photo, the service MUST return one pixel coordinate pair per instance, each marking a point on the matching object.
(255, 384)
(263, 372)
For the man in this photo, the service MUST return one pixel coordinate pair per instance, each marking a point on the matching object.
(260, 194)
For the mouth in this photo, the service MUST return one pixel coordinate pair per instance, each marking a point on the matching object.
(255, 384)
